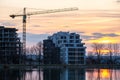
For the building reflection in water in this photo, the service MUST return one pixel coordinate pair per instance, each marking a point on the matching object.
(18, 74)
(51, 74)
(60, 74)
(64, 74)
(34, 75)
(6, 74)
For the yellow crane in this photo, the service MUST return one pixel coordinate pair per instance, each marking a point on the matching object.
(25, 14)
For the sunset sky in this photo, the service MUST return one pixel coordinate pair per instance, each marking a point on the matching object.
(95, 21)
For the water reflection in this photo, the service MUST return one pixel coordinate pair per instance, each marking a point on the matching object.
(18, 74)
(51, 74)
(103, 74)
(9, 74)
(73, 74)
(60, 74)
(64, 74)
(34, 75)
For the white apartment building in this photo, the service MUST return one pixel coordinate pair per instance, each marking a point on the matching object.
(72, 50)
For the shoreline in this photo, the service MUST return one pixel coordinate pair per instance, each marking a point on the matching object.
(23, 66)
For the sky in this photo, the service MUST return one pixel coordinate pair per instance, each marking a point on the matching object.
(95, 21)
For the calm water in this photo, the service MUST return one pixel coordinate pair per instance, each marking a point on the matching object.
(60, 74)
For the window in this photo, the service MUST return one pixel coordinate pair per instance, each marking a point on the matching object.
(64, 37)
(71, 37)
(71, 49)
(61, 37)
(64, 41)
(77, 37)
(66, 45)
(71, 62)
(77, 41)
(70, 45)
(79, 45)
(81, 49)
(71, 41)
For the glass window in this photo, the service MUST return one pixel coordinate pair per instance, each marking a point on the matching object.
(71, 37)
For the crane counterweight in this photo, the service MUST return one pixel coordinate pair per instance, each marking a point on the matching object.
(12, 16)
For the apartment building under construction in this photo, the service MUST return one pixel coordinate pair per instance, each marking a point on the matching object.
(10, 46)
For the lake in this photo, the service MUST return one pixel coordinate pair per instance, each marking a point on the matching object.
(60, 74)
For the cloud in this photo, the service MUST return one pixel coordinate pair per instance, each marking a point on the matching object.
(115, 15)
(4, 23)
(95, 36)
(100, 35)
(118, 1)
(87, 37)
(37, 26)
(112, 29)
(80, 32)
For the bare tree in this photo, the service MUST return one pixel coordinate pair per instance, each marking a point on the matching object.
(97, 48)
(110, 51)
(113, 49)
(116, 49)
(28, 50)
(40, 50)
(39, 47)
(37, 50)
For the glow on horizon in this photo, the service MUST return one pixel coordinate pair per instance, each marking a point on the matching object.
(106, 40)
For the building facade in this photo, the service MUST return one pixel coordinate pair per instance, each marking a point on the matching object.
(72, 50)
(51, 53)
(10, 45)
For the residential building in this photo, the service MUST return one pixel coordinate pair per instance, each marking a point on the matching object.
(10, 45)
(72, 50)
(51, 53)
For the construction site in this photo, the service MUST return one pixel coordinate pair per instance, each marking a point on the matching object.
(12, 49)
(10, 46)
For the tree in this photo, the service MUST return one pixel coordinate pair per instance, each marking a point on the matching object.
(110, 50)
(97, 48)
(116, 49)
(39, 47)
(113, 49)
(37, 50)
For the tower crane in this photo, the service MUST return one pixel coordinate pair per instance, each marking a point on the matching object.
(25, 14)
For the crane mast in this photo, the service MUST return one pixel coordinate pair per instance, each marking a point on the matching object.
(24, 31)
(24, 15)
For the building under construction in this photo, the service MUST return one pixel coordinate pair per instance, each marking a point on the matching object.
(10, 46)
